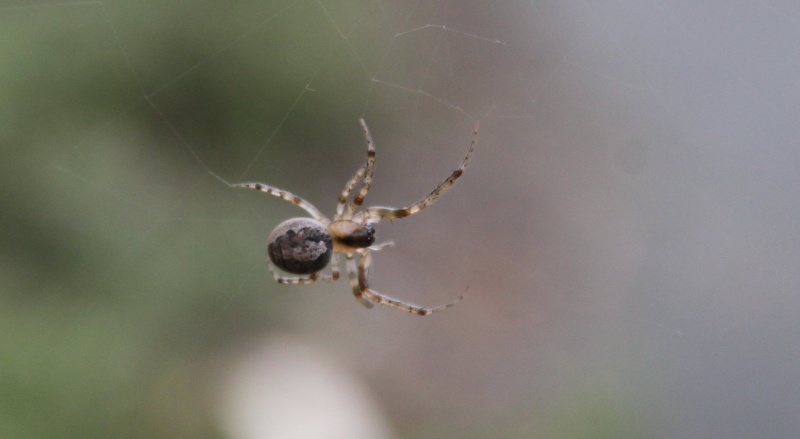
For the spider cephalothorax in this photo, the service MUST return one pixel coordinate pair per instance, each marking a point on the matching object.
(305, 246)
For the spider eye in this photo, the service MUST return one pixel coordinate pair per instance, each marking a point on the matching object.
(369, 232)
(300, 246)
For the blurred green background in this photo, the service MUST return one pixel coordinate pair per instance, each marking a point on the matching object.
(625, 235)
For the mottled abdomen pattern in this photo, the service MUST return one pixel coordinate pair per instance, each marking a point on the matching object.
(300, 246)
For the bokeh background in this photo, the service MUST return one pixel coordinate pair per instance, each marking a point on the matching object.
(626, 235)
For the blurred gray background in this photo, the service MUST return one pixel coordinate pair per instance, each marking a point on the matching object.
(626, 235)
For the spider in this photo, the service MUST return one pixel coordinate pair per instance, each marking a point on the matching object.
(305, 246)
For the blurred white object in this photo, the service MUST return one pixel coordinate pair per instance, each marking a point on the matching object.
(283, 388)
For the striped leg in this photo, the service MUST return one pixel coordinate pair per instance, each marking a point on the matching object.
(363, 275)
(288, 196)
(298, 280)
(365, 172)
(392, 213)
(370, 166)
(340, 205)
(353, 273)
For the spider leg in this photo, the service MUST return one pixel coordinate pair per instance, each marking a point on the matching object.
(288, 196)
(299, 280)
(335, 267)
(379, 247)
(354, 284)
(392, 213)
(363, 279)
(346, 193)
(286, 280)
(369, 169)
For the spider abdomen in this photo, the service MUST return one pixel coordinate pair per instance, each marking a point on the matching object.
(300, 246)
